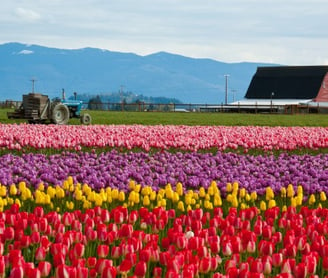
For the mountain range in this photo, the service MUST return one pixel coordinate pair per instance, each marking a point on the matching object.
(26, 68)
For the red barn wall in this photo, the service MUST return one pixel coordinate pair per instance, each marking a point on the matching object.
(323, 92)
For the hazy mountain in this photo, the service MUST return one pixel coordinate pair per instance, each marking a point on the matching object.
(97, 72)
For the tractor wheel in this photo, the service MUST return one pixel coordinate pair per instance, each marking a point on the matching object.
(60, 114)
(85, 119)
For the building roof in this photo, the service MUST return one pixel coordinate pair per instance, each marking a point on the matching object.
(287, 82)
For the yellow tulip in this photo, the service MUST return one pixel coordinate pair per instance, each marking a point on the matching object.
(323, 196)
(181, 206)
(269, 194)
(242, 192)
(234, 202)
(210, 191)
(311, 199)
(176, 197)
(299, 190)
(202, 192)
(299, 199)
(243, 206)
(163, 203)
(283, 192)
(3, 191)
(115, 194)
(70, 180)
(10, 200)
(254, 196)
(272, 203)
(60, 193)
(217, 201)
(229, 187)
(132, 184)
(146, 201)
(78, 195)
(290, 191)
(137, 188)
(41, 186)
(235, 186)
(22, 186)
(293, 202)
(13, 189)
(98, 200)
(179, 188)
(121, 196)
(51, 191)
(153, 195)
(263, 206)
(17, 202)
(65, 185)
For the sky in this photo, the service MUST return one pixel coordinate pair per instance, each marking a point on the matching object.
(287, 32)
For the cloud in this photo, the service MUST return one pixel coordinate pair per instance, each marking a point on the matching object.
(276, 31)
(27, 14)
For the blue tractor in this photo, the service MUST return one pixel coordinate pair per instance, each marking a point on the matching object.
(38, 108)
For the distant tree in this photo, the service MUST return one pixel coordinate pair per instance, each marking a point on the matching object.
(95, 103)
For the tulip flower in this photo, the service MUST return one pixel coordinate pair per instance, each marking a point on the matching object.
(140, 269)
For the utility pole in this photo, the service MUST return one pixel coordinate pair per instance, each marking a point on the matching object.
(233, 94)
(33, 81)
(121, 96)
(226, 88)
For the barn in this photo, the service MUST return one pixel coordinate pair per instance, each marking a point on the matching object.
(280, 86)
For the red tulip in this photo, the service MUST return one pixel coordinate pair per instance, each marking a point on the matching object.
(40, 254)
(140, 269)
(102, 264)
(325, 263)
(257, 266)
(286, 266)
(181, 242)
(33, 273)
(124, 267)
(35, 237)
(227, 249)
(300, 271)
(62, 271)
(9, 233)
(144, 255)
(204, 265)
(2, 266)
(44, 268)
(116, 252)
(78, 250)
(17, 272)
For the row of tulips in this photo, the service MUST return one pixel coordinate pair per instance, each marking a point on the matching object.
(70, 196)
(193, 170)
(160, 242)
(193, 138)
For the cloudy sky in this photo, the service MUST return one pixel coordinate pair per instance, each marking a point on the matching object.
(289, 32)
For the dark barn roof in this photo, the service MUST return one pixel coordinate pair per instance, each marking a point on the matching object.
(287, 82)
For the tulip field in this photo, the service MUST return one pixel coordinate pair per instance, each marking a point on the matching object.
(163, 201)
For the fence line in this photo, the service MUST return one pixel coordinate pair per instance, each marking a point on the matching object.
(192, 107)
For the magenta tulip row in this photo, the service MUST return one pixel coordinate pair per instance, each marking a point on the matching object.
(13, 136)
(159, 243)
